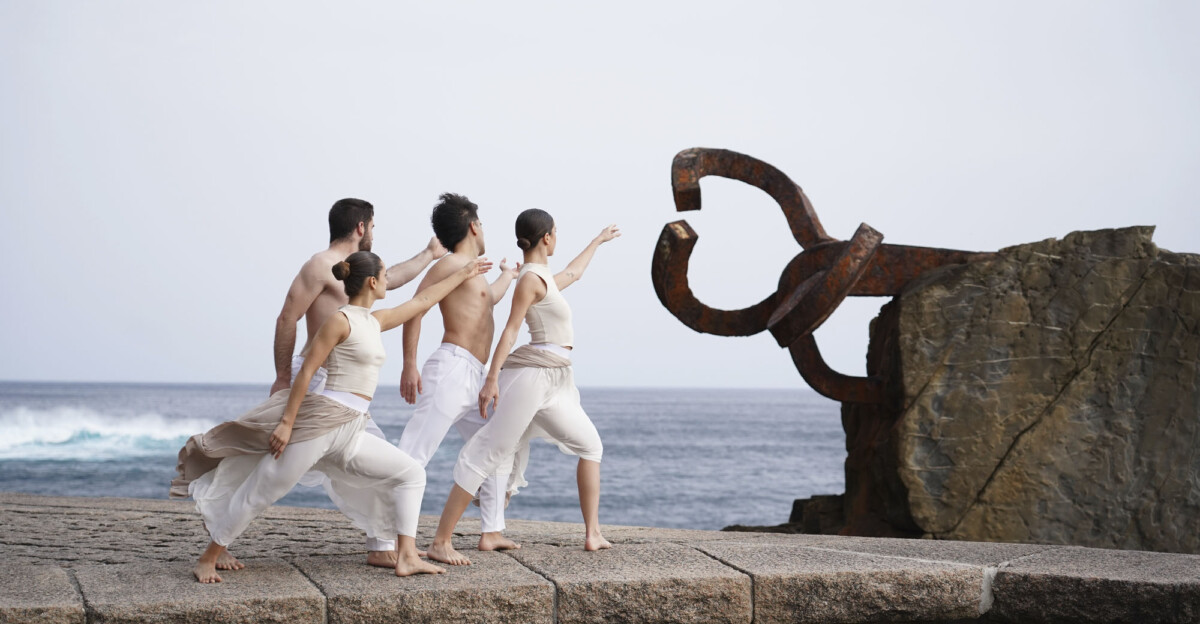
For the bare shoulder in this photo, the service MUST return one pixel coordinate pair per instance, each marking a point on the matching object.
(320, 266)
(446, 265)
(534, 283)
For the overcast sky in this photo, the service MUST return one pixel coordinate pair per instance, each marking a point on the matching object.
(165, 168)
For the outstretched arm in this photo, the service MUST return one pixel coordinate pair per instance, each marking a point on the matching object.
(404, 272)
(394, 317)
(303, 291)
(529, 291)
(574, 270)
(507, 274)
(333, 331)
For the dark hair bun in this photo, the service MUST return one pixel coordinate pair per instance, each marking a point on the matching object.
(523, 244)
(341, 270)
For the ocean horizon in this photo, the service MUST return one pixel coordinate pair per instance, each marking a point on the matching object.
(700, 458)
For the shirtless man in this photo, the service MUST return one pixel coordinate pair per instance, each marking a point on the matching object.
(315, 294)
(454, 373)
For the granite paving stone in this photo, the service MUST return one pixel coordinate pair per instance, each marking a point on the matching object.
(267, 590)
(38, 594)
(132, 559)
(494, 588)
(1072, 584)
(640, 583)
(794, 583)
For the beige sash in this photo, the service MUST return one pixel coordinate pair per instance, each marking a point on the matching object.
(250, 434)
(527, 357)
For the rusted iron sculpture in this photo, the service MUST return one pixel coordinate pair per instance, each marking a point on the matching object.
(812, 284)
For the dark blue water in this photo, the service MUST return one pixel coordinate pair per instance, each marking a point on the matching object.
(687, 458)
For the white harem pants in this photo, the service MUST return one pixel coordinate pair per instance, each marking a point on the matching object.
(313, 479)
(381, 486)
(533, 403)
(451, 379)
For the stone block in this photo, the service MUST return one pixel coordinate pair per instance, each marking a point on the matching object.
(801, 584)
(494, 588)
(38, 594)
(1070, 584)
(972, 553)
(641, 583)
(267, 590)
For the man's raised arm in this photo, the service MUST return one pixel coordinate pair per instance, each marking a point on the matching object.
(404, 272)
(300, 296)
(507, 274)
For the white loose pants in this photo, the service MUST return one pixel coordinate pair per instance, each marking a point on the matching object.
(315, 478)
(384, 486)
(452, 378)
(533, 403)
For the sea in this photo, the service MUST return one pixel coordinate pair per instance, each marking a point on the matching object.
(673, 457)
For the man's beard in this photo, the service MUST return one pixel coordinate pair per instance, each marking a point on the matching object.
(365, 244)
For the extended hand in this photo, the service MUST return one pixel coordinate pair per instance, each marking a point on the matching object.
(478, 266)
(609, 233)
(504, 268)
(410, 385)
(490, 393)
(435, 248)
(279, 439)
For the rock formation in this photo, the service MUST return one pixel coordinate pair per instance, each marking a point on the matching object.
(1049, 394)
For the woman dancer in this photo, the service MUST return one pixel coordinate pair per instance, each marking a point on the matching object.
(537, 388)
(239, 468)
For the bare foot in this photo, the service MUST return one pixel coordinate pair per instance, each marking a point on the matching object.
(206, 572)
(381, 558)
(446, 554)
(496, 541)
(596, 542)
(226, 561)
(408, 566)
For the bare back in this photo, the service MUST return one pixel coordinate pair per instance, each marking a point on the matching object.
(318, 273)
(467, 311)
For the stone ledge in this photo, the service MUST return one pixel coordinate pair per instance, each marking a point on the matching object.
(38, 594)
(494, 588)
(132, 562)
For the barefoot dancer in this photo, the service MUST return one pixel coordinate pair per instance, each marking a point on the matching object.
(446, 390)
(315, 296)
(533, 389)
(238, 468)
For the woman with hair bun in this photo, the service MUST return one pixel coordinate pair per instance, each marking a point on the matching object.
(239, 468)
(533, 390)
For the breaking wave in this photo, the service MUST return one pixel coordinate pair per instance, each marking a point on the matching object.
(81, 434)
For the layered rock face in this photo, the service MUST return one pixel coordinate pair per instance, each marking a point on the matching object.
(1049, 394)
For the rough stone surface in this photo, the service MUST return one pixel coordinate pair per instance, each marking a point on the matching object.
(1090, 585)
(38, 595)
(1050, 395)
(651, 574)
(805, 584)
(641, 583)
(267, 590)
(494, 588)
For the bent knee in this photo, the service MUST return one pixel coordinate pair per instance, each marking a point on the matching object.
(592, 451)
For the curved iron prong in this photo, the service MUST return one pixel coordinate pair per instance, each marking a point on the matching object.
(810, 303)
(807, 358)
(669, 272)
(692, 164)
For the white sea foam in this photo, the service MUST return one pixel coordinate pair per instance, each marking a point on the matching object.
(81, 434)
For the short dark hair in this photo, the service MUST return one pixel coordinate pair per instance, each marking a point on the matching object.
(451, 219)
(346, 214)
(355, 270)
(532, 225)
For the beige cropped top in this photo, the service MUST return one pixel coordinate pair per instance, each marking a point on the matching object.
(549, 320)
(354, 364)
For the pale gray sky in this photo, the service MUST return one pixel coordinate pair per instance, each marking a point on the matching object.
(165, 168)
